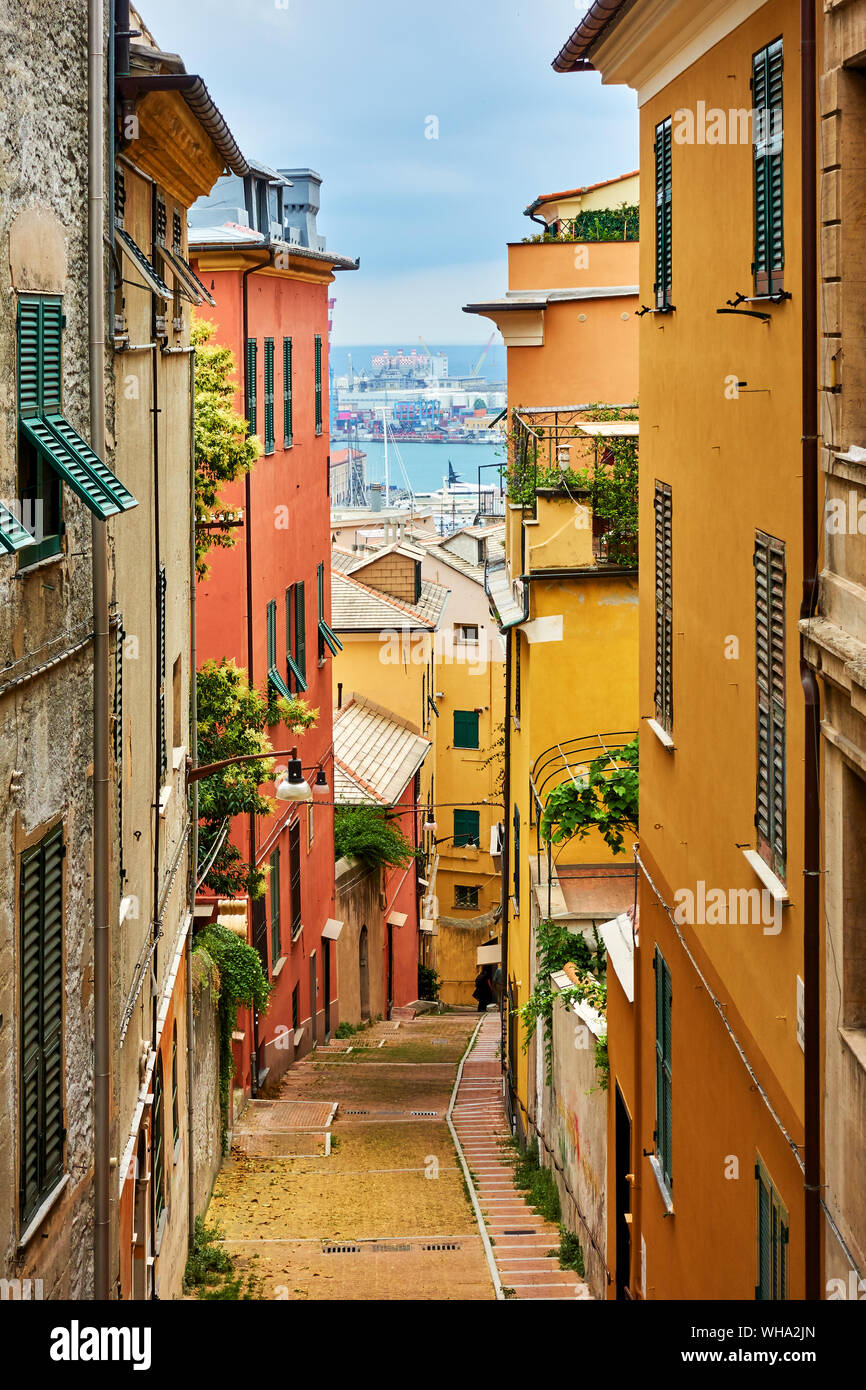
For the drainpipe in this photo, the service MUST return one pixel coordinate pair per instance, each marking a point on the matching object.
(510, 638)
(193, 743)
(99, 544)
(812, 730)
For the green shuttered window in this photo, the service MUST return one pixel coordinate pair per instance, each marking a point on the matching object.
(664, 225)
(42, 1132)
(465, 728)
(269, 395)
(769, 173)
(276, 684)
(772, 1240)
(467, 828)
(318, 354)
(664, 658)
(252, 359)
(162, 744)
(769, 561)
(664, 1123)
(276, 948)
(295, 880)
(287, 393)
(296, 637)
(326, 636)
(157, 1143)
(175, 1108)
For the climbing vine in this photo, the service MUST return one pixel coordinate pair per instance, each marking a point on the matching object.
(371, 835)
(242, 981)
(604, 799)
(605, 224)
(556, 947)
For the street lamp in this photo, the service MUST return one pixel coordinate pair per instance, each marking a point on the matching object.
(292, 786)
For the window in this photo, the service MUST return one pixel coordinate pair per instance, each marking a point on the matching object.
(162, 747)
(177, 702)
(769, 563)
(157, 1144)
(663, 1131)
(318, 383)
(768, 157)
(296, 1008)
(466, 632)
(269, 395)
(48, 445)
(295, 878)
(252, 352)
(516, 881)
(772, 1240)
(41, 1094)
(296, 637)
(276, 684)
(467, 829)
(664, 689)
(465, 728)
(311, 825)
(664, 246)
(326, 636)
(465, 896)
(276, 950)
(517, 677)
(175, 1112)
(287, 393)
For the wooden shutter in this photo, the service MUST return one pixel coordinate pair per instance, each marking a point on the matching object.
(772, 1221)
(252, 352)
(42, 1133)
(287, 393)
(664, 1073)
(768, 159)
(276, 950)
(269, 395)
(162, 749)
(301, 629)
(465, 728)
(664, 699)
(318, 383)
(271, 623)
(157, 1144)
(467, 827)
(295, 877)
(664, 225)
(516, 825)
(770, 794)
(175, 1114)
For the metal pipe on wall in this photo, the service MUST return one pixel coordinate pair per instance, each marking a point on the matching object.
(99, 559)
(193, 743)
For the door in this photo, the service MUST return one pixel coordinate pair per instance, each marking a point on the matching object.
(364, 973)
(141, 1246)
(326, 947)
(622, 1163)
(390, 981)
(314, 1002)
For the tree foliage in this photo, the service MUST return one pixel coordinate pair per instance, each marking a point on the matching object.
(603, 224)
(224, 450)
(604, 799)
(556, 947)
(242, 981)
(371, 835)
(232, 721)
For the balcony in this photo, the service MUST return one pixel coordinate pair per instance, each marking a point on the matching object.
(583, 459)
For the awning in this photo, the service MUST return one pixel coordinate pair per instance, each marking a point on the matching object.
(609, 429)
(619, 944)
(153, 282)
(397, 919)
(331, 930)
(489, 955)
(75, 461)
(186, 277)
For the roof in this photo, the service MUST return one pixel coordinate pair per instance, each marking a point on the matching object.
(356, 607)
(376, 754)
(541, 299)
(197, 98)
(599, 18)
(342, 455)
(233, 234)
(578, 192)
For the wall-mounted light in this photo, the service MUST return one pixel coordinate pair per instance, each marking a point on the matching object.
(292, 786)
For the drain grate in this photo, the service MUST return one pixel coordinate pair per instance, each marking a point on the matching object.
(389, 1249)
(434, 1113)
(440, 1042)
(444, 1245)
(341, 1249)
(530, 1231)
(356, 1112)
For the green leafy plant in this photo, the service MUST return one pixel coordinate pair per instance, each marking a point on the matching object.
(429, 982)
(602, 1062)
(224, 450)
(371, 835)
(604, 799)
(538, 1182)
(605, 224)
(242, 981)
(210, 1270)
(232, 719)
(556, 947)
(570, 1252)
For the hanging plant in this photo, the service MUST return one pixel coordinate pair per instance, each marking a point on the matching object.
(604, 799)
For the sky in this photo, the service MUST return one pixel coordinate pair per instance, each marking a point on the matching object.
(350, 89)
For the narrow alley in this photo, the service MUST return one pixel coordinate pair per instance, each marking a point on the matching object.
(347, 1185)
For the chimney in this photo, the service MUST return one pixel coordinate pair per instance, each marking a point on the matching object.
(301, 202)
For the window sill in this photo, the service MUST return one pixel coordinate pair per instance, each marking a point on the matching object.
(662, 1185)
(276, 971)
(39, 566)
(771, 882)
(296, 933)
(662, 735)
(855, 1040)
(178, 758)
(164, 799)
(41, 1212)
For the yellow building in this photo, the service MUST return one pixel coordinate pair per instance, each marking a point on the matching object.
(556, 212)
(565, 593)
(706, 1180)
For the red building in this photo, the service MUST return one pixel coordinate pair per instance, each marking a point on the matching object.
(266, 602)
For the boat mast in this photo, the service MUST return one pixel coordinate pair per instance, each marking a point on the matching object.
(385, 437)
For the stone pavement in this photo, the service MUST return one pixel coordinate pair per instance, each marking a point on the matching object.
(524, 1245)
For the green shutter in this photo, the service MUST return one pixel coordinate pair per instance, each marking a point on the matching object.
(301, 630)
(287, 393)
(664, 226)
(275, 907)
(772, 1223)
(326, 636)
(318, 355)
(664, 606)
(768, 162)
(162, 747)
(465, 728)
(157, 1142)
(467, 828)
(42, 1132)
(664, 1071)
(13, 536)
(770, 795)
(252, 351)
(275, 680)
(78, 465)
(295, 670)
(29, 357)
(175, 1112)
(269, 395)
(295, 881)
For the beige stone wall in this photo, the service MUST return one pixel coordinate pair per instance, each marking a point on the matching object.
(358, 904)
(393, 574)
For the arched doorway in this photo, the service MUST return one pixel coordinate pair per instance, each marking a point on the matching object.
(364, 973)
